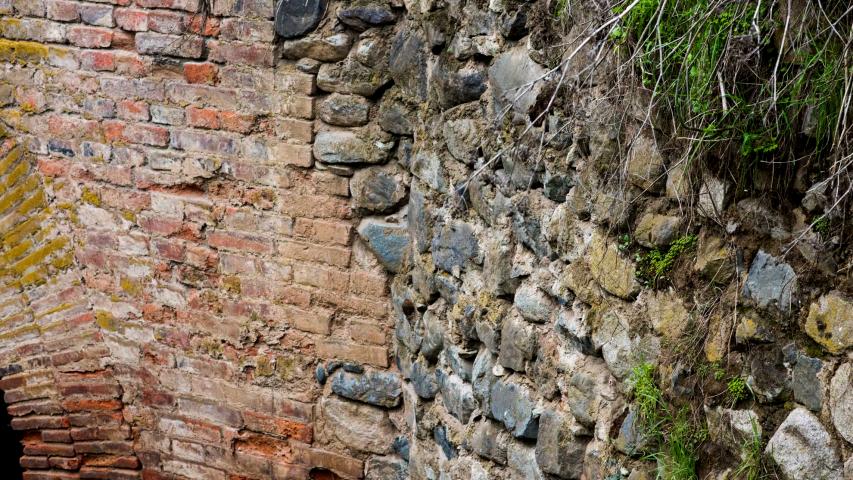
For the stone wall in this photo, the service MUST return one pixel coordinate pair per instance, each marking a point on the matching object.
(389, 240)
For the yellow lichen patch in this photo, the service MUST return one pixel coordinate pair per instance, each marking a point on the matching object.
(232, 284)
(64, 261)
(15, 175)
(56, 309)
(129, 216)
(22, 230)
(15, 252)
(39, 255)
(90, 197)
(38, 200)
(21, 51)
(14, 196)
(106, 320)
(34, 277)
(130, 287)
(264, 367)
(10, 159)
(19, 332)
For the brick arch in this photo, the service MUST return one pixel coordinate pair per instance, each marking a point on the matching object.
(59, 391)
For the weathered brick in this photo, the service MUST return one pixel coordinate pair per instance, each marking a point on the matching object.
(377, 356)
(97, 15)
(247, 30)
(98, 60)
(188, 5)
(260, 54)
(133, 110)
(202, 141)
(151, 43)
(62, 10)
(200, 72)
(296, 155)
(90, 37)
(132, 20)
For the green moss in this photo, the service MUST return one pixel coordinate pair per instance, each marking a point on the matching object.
(18, 51)
(656, 263)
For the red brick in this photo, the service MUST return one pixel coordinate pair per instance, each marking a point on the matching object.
(202, 118)
(63, 463)
(131, 19)
(37, 463)
(90, 37)
(49, 449)
(39, 422)
(133, 110)
(88, 405)
(62, 10)
(99, 61)
(237, 122)
(200, 73)
(283, 427)
(188, 5)
(111, 461)
(235, 241)
(167, 22)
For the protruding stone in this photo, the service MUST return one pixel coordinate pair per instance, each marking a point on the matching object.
(357, 425)
(667, 313)
(386, 468)
(841, 401)
(453, 245)
(457, 396)
(830, 322)
(388, 241)
(518, 343)
(714, 259)
(378, 189)
(365, 145)
(513, 404)
(364, 16)
(490, 440)
(424, 380)
(714, 196)
(407, 63)
(657, 230)
(521, 460)
(376, 388)
(614, 273)
(803, 449)
(646, 167)
(463, 138)
(344, 110)
(534, 304)
(771, 282)
(295, 18)
(322, 48)
(558, 451)
(453, 84)
(516, 80)
(350, 76)
(805, 382)
(632, 439)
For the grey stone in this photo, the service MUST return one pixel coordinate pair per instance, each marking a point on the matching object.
(490, 440)
(768, 376)
(424, 380)
(558, 450)
(516, 80)
(646, 167)
(482, 377)
(498, 251)
(420, 220)
(678, 181)
(841, 401)
(376, 388)
(453, 84)
(513, 405)
(427, 166)
(803, 449)
(395, 116)
(656, 230)
(378, 189)
(805, 383)
(460, 361)
(556, 185)
(364, 16)
(294, 18)
(714, 259)
(714, 196)
(363, 145)
(439, 434)
(320, 374)
(514, 26)
(592, 395)
(407, 63)
(344, 110)
(632, 439)
(453, 245)
(350, 76)
(613, 272)
(732, 428)
(463, 137)
(518, 343)
(534, 304)
(756, 215)
(521, 460)
(433, 331)
(388, 241)
(386, 468)
(457, 396)
(358, 425)
(771, 282)
(322, 48)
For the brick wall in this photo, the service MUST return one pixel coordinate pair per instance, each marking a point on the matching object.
(175, 265)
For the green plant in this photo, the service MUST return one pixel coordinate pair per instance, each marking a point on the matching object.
(750, 464)
(676, 436)
(656, 263)
(624, 241)
(737, 389)
(820, 225)
(743, 81)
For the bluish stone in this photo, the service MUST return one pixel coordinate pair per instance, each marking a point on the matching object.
(454, 244)
(457, 396)
(401, 446)
(423, 380)
(362, 17)
(439, 434)
(376, 388)
(320, 374)
(388, 241)
(771, 282)
(512, 404)
(294, 18)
